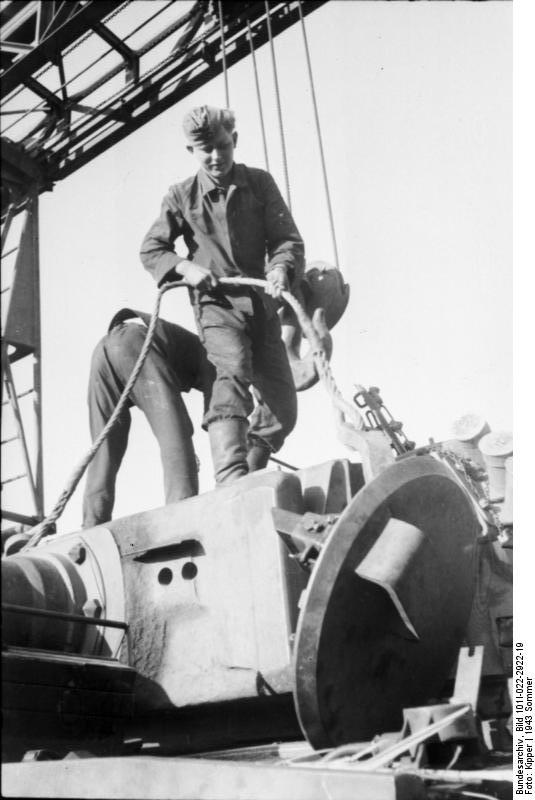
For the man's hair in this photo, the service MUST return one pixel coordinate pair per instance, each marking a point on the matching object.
(201, 124)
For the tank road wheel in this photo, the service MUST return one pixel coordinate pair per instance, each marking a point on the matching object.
(387, 604)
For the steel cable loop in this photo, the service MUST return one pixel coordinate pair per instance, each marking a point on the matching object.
(318, 352)
(320, 360)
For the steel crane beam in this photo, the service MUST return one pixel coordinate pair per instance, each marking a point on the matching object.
(61, 142)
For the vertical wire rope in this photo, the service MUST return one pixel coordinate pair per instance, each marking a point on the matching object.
(279, 111)
(223, 52)
(258, 96)
(320, 141)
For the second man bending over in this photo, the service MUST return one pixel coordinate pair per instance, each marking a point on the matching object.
(234, 223)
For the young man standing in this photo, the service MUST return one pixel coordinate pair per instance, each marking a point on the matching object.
(234, 223)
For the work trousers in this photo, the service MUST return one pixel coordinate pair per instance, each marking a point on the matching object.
(241, 334)
(174, 364)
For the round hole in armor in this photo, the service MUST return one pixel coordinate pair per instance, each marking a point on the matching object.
(189, 571)
(165, 576)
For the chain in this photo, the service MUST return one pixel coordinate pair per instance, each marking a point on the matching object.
(475, 481)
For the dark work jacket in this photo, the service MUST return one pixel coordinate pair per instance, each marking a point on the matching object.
(246, 231)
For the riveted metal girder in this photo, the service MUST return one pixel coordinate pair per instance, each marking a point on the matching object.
(74, 125)
(62, 31)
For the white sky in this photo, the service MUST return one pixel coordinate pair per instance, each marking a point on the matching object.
(416, 105)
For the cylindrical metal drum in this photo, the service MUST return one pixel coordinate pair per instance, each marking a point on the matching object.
(467, 432)
(48, 583)
(496, 447)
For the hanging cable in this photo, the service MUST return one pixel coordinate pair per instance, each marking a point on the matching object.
(320, 141)
(258, 95)
(223, 52)
(277, 95)
(46, 526)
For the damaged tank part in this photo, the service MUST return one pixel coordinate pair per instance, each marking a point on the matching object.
(220, 614)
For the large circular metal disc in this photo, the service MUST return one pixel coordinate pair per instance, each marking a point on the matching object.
(387, 604)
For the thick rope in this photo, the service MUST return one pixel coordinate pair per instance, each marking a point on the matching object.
(43, 527)
(318, 132)
(279, 109)
(318, 353)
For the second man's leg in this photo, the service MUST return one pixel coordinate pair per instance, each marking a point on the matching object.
(157, 393)
(105, 388)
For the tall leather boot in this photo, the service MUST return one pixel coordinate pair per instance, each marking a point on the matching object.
(257, 455)
(228, 442)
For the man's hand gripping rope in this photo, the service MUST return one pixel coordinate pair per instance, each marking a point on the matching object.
(273, 286)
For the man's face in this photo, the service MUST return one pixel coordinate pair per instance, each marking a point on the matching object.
(216, 156)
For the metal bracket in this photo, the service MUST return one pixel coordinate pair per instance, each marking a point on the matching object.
(304, 534)
(452, 721)
(129, 56)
